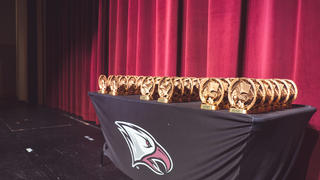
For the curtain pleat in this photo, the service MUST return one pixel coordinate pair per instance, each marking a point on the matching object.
(143, 37)
(201, 38)
(224, 21)
(281, 42)
(166, 20)
(132, 26)
(74, 54)
(262, 39)
(270, 41)
(307, 58)
(195, 34)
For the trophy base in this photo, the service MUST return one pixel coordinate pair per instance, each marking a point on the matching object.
(287, 106)
(145, 98)
(208, 107)
(163, 100)
(234, 110)
(268, 108)
(113, 93)
(102, 92)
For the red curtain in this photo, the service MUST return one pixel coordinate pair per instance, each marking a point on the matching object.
(76, 41)
(171, 37)
(217, 38)
(261, 39)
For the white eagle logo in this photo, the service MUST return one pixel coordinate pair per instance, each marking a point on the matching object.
(144, 149)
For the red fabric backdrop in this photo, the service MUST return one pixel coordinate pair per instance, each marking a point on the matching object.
(76, 41)
(262, 39)
(217, 38)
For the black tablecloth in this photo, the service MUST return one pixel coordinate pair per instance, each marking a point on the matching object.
(179, 141)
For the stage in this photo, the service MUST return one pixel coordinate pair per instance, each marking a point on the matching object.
(43, 143)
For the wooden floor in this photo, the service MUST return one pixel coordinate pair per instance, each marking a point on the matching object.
(41, 143)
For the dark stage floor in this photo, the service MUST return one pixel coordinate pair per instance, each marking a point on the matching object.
(59, 147)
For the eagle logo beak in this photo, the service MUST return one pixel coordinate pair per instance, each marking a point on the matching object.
(144, 149)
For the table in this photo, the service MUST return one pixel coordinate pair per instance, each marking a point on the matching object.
(179, 141)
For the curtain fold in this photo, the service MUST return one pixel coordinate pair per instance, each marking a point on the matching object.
(261, 39)
(76, 47)
(195, 34)
(281, 42)
(214, 38)
(143, 37)
(224, 24)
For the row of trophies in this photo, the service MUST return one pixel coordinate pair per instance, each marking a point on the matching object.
(240, 95)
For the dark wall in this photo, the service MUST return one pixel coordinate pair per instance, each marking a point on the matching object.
(32, 52)
(7, 49)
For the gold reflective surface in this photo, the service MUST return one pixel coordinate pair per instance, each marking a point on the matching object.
(269, 91)
(195, 89)
(211, 92)
(132, 85)
(165, 88)
(240, 95)
(103, 84)
(147, 87)
(293, 91)
(114, 85)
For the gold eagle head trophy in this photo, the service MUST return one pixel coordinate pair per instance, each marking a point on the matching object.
(113, 85)
(293, 91)
(103, 84)
(132, 85)
(139, 83)
(118, 85)
(165, 89)
(170, 89)
(211, 93)
(187, 92)
(242, 95)
(148, 88)
(195, 89)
